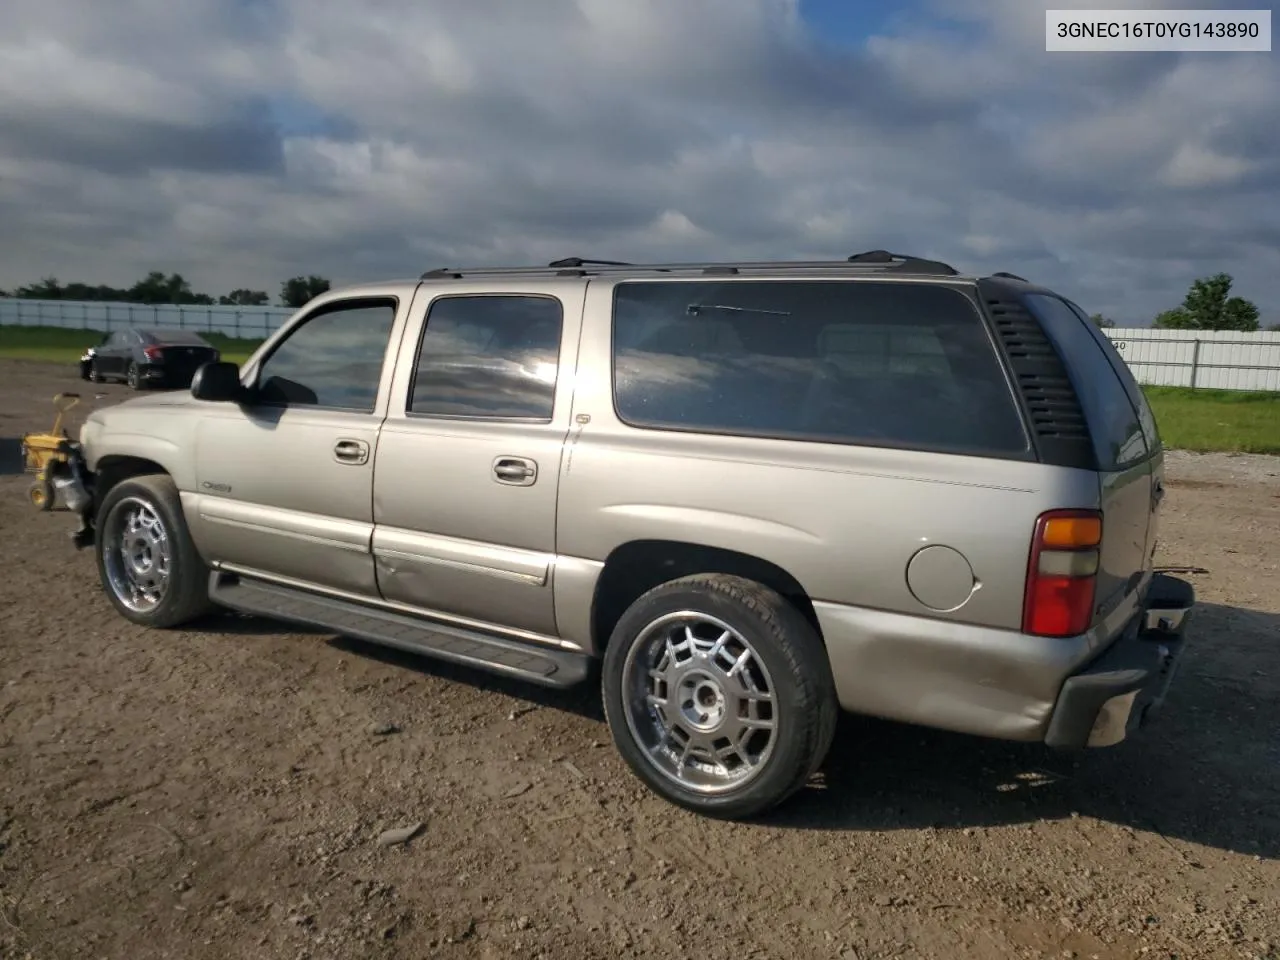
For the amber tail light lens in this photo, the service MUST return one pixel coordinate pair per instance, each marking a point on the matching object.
(1062, 573)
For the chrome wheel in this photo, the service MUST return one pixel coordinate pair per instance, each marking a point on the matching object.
(132, 377)
(699, 702)
(136, 554)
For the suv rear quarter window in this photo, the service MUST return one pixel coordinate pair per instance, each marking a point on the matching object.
(1139, 399)
(1118, 439)
(908, 365)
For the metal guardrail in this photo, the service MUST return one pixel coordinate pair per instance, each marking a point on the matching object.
(232, 321)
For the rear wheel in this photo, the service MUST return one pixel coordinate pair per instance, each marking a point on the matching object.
(719, 695)
(133, 376)
(148, 565)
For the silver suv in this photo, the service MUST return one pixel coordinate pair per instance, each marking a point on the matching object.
(755, 493)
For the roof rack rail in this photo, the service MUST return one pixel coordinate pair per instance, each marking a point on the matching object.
(905, 262)
(874, 260)
(1010, 276)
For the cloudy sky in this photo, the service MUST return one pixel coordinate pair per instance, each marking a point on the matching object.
(243, 141)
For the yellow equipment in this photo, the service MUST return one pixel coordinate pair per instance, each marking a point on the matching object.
(44, 453)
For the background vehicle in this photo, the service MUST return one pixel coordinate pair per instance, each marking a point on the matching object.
(756, 493)
(144, 357)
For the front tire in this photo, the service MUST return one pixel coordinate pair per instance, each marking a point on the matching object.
(148, 565)
(719, 695)
(94, 376)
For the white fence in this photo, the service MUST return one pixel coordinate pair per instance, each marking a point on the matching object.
(1223, 360)
(1181, 358)
(251, 322)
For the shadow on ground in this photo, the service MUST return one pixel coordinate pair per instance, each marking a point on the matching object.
(227, 622)
(11, 460)
(583, 700)
(1206, 772)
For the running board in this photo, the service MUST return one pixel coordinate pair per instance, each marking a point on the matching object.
(542, 665)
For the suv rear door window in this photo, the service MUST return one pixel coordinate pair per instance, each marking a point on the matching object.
(1118, 440)
(491, 356)
(862, 362)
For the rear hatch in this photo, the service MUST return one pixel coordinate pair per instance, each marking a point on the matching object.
(1125, 443)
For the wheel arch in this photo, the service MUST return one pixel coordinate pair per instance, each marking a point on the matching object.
(113, 469)
(635, 567)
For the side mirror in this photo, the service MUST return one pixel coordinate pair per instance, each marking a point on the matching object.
(217, 382)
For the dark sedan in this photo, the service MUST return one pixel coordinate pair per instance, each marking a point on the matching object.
(145, 357)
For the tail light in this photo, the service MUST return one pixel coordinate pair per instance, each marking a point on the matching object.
(1063, 572)
(153, 353)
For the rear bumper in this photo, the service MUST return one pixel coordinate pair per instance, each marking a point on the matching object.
(1005, 684)
(1122, 689)
(163, 375)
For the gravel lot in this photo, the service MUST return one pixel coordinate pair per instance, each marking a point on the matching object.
(221, 792)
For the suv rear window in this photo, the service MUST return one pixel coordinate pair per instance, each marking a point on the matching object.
(1118, 439)
(863, 362)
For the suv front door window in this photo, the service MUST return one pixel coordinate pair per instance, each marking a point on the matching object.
(333, 360)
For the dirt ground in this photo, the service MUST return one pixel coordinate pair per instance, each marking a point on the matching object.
(220, 792)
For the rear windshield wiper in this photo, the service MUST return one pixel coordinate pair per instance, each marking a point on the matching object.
(696, 308)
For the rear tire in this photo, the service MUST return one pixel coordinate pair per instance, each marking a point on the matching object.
(719, 695)
(148, 565)
(133, 377)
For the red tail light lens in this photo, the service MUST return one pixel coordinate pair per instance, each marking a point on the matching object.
(153, 353)
(1062, 574)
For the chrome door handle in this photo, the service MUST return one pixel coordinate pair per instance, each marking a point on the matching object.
(351, 451)
(518, 471)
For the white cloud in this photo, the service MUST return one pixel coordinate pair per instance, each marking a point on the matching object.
(243, 141)
(1197, 166)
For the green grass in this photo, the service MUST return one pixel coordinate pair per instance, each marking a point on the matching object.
(1201, 420)
(1233, 421)
(65, 345)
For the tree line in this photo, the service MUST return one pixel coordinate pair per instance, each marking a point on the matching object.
(158, 289)
(1208, 305)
